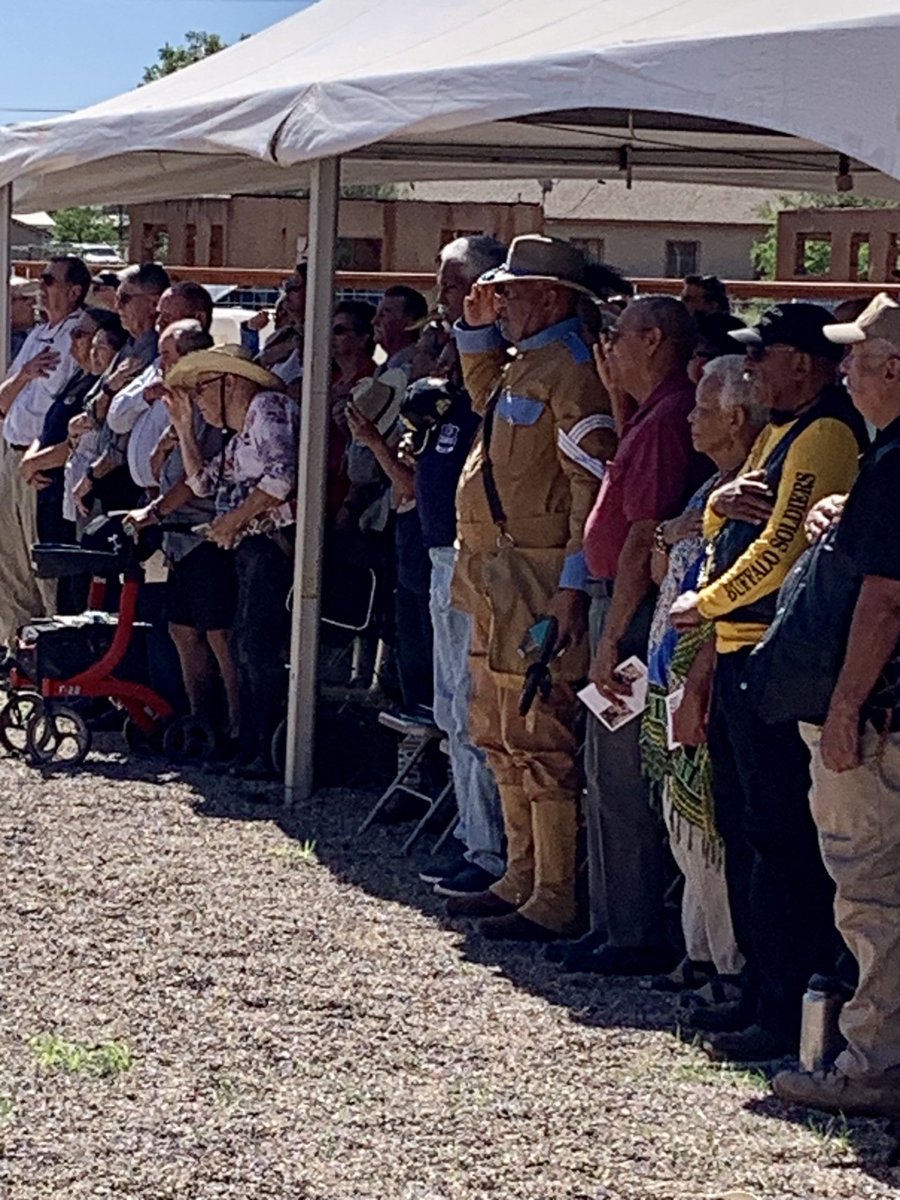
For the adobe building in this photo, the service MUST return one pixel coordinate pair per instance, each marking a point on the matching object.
(271, 231)
(650, 230)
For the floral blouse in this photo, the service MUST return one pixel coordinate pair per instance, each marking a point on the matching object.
(263, 454)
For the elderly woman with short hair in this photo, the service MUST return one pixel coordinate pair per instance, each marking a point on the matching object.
(724, 424)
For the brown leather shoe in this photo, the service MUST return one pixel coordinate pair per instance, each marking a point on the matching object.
(516, 928)
(478, 904)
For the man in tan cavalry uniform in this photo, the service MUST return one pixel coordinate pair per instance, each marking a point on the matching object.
(523, 498)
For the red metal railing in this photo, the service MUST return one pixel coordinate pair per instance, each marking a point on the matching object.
(740, 289)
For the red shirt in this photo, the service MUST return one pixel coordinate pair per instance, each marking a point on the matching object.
(655, 470)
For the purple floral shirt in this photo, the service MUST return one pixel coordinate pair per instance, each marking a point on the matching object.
(263, 454)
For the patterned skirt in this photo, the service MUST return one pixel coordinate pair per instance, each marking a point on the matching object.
(689, 798)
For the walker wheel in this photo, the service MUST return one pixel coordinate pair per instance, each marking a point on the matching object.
(20, 708)
(189, 739)
(139, 742)
(57, 737)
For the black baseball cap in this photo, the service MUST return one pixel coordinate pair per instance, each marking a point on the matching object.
(799, 324)
(106, 279)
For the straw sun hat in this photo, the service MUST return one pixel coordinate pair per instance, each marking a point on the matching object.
(221, 360)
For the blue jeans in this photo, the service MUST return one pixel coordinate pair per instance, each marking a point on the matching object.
(480, 820)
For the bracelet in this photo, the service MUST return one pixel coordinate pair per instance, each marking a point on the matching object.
(659, 538)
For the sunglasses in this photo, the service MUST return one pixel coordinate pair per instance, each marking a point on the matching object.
(123, 299)
(49, 278)
(338, 329)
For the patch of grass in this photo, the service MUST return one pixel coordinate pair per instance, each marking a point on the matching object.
(225, 1092)
(55, 1053)
(301, 852)
(718, 1073)
(833, 1131)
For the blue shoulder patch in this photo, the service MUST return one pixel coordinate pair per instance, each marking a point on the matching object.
(576, 347)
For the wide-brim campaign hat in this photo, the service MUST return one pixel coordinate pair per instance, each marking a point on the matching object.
(379, 400)
(221, 360)
(533, 257)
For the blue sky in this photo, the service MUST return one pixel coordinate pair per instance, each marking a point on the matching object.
(66, 54)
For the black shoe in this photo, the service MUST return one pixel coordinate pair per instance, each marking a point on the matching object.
(687, 976)
(450, 865)
(466, 882)
(479, 904)
(258, 769)
(513, 927)
(621, 960)
(560, 952)
(729, 1017)
(751, 1045)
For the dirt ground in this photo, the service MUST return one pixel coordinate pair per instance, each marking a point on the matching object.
(202, 997)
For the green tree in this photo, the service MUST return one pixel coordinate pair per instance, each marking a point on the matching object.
(87, 224)
(197, 45)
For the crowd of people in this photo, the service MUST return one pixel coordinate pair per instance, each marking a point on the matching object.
(644, 476)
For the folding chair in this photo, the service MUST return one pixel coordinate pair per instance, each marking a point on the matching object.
(423, 735)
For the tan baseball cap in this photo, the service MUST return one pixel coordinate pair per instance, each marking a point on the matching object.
(880, 320)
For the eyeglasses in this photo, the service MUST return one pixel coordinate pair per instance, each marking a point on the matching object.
(49, 278)
(339, 329)
(202, 384)
(123, 299)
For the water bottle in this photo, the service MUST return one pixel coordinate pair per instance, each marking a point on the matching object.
(820, 1035)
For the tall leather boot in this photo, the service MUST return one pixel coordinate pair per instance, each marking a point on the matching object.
(552, 901)
(516, 885)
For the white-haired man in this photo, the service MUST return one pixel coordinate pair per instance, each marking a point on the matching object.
(855, 763)
(438, 465)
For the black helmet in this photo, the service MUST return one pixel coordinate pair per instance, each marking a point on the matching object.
(426, 403)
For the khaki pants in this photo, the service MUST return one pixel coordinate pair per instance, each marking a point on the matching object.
(22, 595)
(857, 814)
(533, 762)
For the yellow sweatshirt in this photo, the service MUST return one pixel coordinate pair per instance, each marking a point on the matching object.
(822, 460)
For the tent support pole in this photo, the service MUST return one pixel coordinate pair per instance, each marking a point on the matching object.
(5, 263)
(314, 416)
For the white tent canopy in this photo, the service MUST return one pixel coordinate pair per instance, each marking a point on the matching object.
(757, 92)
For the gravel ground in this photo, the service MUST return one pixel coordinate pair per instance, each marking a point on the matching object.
(247, 1015)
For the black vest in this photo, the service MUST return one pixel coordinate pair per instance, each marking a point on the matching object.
(735, 537)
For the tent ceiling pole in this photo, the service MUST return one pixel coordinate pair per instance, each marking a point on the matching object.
(5, 230)
(314, 415)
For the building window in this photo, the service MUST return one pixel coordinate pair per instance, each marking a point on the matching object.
(154, 243)
(812, 254)
(592, 248)
(682, 258)
(190, 245)
(357, 254)
(216, 245)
